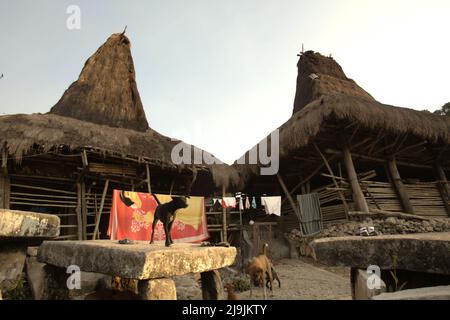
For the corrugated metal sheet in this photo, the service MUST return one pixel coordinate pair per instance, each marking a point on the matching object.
(310, 214)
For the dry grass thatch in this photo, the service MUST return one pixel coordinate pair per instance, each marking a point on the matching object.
(328, 78)
(306, 124)
(106, 90)
(21, 133)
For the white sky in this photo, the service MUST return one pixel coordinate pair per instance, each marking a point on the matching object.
(221, 74)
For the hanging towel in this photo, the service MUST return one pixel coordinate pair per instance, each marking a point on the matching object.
(247, 203)
(229, 202)
(254, 203)
(241, 204)
(272, 205)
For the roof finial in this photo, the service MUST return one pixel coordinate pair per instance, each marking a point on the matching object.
(303, 50)
(124, 30)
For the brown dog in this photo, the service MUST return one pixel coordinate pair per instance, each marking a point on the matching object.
(260, 271)
(230, 290)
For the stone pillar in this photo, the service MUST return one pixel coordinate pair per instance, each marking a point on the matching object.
(55, 283)
(157, 289)
(212, 288)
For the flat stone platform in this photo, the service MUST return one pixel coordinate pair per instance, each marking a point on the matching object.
(25, 224)
(424, 252)
(140, 260)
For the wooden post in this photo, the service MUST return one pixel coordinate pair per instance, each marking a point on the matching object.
(83, 210)
(99, 213)
(224, 220)
(78, 211)
(288, 195)
(444, 188)
(357, 194)
(149, 185)
(399, 187)
(341, 194)
(5, 190)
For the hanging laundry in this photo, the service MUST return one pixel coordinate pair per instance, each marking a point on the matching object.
(229, 202)
(254, 203)
(132, 217)
(272, 205)
(241, 204)
(247, 203)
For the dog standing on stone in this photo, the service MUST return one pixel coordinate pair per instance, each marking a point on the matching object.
(260, 271)
(166, 213)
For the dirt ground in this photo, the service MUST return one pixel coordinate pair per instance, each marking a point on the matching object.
(301, 279)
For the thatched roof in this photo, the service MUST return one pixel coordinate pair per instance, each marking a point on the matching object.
(102, 110)
(347, 104)
(106, 91)
(319, 75)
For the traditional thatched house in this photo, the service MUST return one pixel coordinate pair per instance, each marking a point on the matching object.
(356, 153)
(96, 138)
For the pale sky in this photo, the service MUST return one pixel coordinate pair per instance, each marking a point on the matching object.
(221, 74)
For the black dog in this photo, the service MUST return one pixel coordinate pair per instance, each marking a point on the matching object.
(274, 277)
(166, 213)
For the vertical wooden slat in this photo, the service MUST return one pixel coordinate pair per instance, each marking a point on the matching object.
(357, 194)
(224, 219)
(149, 185)
(99, 213)
(83, 210)
(399, 187)
(79, 214)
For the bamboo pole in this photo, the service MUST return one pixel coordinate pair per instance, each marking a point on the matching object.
(78, 211)
(224, 219)
(83, 209)
(399, 187)
(341, 194)
(288, 195)
(149, 185)
(99, 213)
(357, 194)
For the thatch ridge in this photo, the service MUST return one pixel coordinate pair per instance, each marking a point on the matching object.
(319, 75)
(106, 91)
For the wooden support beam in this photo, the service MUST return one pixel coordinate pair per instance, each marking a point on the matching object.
(5, 191)
(357, 194)
(224, 219)
(375, 159)
(149, 185)
(83, 209)
(99, 213)
(444, 187)
(288, 195)
(399, 187)
(79, 212)
(341, 194)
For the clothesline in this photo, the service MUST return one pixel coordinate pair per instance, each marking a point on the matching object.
(271, 204)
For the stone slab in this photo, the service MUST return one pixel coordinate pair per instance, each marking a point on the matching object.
(428, 293)
(362, 291)
(26, 224)
(425, 252)
(12, 262)
(157, 289)
(137, 261)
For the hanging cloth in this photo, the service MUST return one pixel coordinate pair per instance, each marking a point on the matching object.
(247, 203)
(229, 202)
(241, 204)
(254, 203)
(272, 205)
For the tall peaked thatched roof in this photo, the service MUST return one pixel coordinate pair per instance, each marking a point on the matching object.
(102, 110)
(319, 75)
(106, 91)
(333, 98)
